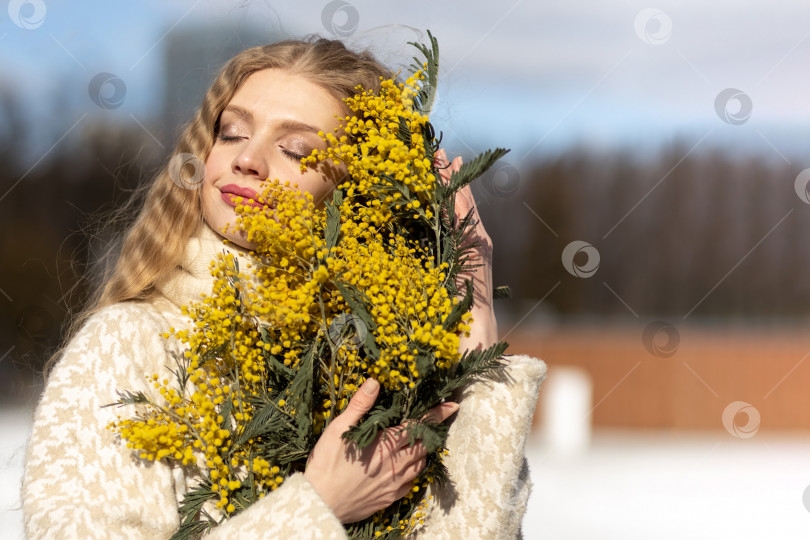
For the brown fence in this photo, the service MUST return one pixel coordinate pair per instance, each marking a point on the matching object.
(708, 369)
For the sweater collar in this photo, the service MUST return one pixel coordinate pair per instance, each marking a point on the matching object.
(193, 278)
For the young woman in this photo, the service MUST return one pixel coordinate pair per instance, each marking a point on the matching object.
(258, 119)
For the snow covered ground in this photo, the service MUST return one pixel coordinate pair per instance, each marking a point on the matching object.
(15, 426)
(626, 485)
(631, 485)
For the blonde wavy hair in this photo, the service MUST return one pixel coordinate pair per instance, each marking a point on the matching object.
(171, 213)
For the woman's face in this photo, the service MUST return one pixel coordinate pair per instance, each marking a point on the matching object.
(269, 125)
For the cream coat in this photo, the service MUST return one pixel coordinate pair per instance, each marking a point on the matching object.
(81, 483)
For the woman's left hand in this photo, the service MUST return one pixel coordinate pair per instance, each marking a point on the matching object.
(484, 329)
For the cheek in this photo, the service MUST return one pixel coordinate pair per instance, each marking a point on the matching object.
(216, 169)
(207, 205)
(326, 178)
(209, 194)
(320, 188)
(213, 166)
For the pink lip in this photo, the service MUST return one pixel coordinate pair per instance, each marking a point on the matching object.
(249, 196)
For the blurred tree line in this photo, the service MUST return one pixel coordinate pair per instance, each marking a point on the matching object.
(706, 234)
(52, 234)
(698, 235)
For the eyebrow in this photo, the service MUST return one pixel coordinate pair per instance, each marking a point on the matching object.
(287, 124)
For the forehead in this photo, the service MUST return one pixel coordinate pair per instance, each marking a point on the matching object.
(272, 95)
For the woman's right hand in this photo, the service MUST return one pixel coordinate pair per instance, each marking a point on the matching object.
(355, 482)
(484, 327)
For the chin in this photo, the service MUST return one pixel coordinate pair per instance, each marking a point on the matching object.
(219, 218)
(237, 237)
(242, 242)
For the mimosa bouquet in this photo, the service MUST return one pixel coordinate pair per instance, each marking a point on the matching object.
(371, 285)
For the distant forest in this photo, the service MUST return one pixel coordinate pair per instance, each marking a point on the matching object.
(705, 234)
(678, 233)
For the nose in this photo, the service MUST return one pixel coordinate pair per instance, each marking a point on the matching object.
(252, 161)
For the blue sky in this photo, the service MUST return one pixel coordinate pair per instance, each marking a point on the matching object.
(533, 76)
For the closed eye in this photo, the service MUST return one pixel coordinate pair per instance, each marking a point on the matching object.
(229, 138)
(293, 155)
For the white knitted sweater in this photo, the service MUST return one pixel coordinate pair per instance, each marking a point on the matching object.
(82, 483)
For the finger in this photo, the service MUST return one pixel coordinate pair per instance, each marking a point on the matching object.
(404, 490)
(456, 165)
(399, 455)
(360, 404)
(440, 158)
(411, 454)
(396, 437)
(440, 162)
(413, 469)
(465, 202)
(440, 413)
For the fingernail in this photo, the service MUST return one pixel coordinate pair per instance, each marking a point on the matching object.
(452, 407)
(370, 386)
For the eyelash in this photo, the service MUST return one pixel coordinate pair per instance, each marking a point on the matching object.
(291, 155)
(227, 138)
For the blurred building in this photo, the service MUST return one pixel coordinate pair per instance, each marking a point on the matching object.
(193, 58)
